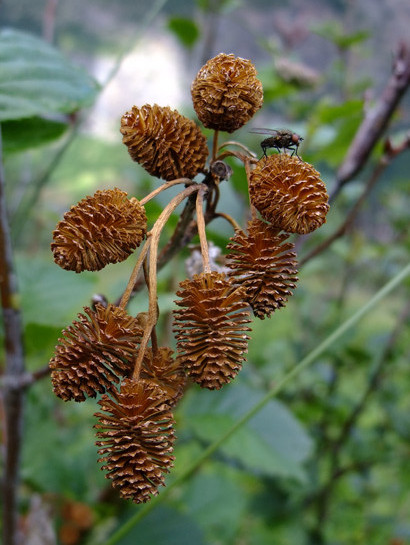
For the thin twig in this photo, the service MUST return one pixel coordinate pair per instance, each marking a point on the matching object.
(200, 221)
(134, 275)
(390, 153)
(376, 120)
(374, 381)
(229, 219)
(163, 187)
(323, 495)
(214, 145)
(231, 153)
(155, 234)
(13, 397)
(242, 146)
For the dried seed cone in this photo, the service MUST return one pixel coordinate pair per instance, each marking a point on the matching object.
(136, 439)
(265, 265)
(167, 144)
(226, 92)
(94, 352)
(99, 230)
(211, 329)
(289, 194)
(165, 371)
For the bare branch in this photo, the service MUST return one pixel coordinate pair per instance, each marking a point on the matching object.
(12, 397)
(375, 122)
(390, 153)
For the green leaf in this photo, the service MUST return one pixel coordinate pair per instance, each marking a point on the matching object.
(165, 526)
(223, 6)
(22, 134)
(50, 295)
(36, 79)
(185, 30)
(217, 500)
(333, 31)
(272, 443)
(330, 112)
(39, 342)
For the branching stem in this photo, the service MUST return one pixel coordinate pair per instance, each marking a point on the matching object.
(155, 234)
(163, 187)
(390, 153)
(12, 395)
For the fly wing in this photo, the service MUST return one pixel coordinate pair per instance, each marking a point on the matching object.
(272, 132)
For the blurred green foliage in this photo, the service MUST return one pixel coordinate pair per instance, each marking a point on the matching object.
(289, 476)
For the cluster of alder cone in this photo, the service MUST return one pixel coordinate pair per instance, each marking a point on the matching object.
(107, 351)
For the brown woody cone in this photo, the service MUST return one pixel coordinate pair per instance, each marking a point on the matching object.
(167, 144)
(264, 264)
(99, 230)
(165, 371)
(136, 439)
(211, 329)
(94, 352)
(226, 92)
(289, 194)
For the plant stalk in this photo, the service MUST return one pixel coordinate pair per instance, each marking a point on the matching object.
(12, 394)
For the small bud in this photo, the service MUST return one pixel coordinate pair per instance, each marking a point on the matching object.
(221, 170)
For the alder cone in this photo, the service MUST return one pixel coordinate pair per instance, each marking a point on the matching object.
(136, 439)
(94, 353)
(211, 329)
(165, 371)
(289, 193)
(226, 92)
(264, 264)
(102, 229)
(164, 142)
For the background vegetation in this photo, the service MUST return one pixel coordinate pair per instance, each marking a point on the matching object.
(327, 461)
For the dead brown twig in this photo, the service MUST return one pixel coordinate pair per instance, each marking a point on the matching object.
(376, 120)
(12, 395)
(390, 152)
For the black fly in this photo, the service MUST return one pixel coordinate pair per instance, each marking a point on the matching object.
(280, 139)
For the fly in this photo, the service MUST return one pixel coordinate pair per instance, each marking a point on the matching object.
(280, 139)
